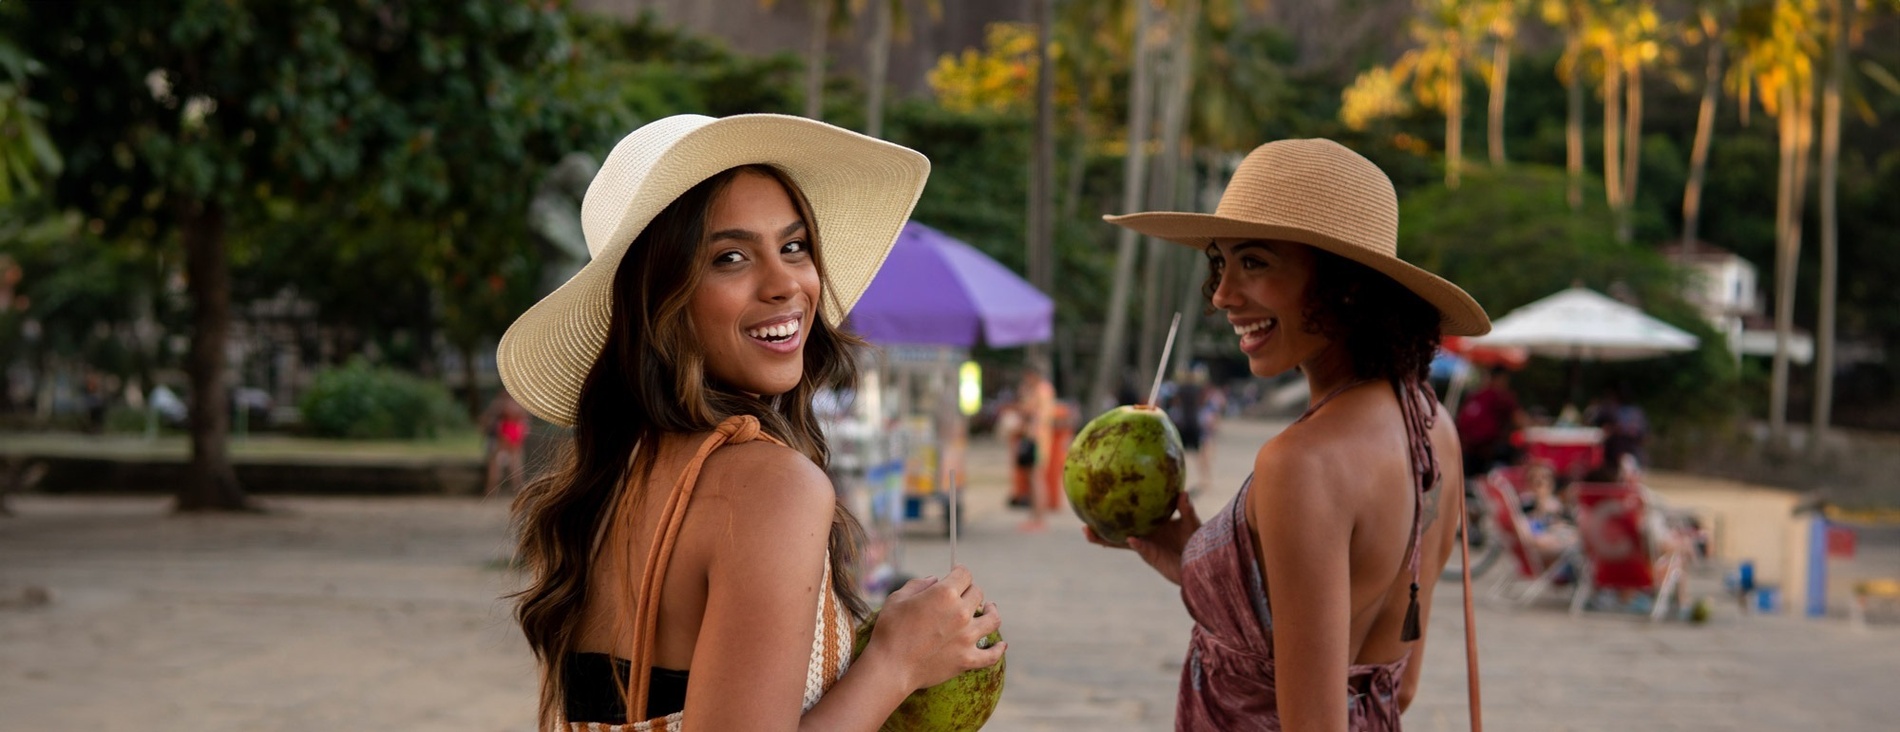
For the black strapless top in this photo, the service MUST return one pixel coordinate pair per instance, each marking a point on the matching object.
(593, 692)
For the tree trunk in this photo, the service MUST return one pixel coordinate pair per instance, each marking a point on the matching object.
(1830, 222)
(815, 58)
(1500, 82)
(1108, 367)
(1573, 129)
(1156, 284)
(1612, 134)
(1454, 124)
(210, 483)
(1191, 306)
(1079, 157)
(1194, 274)
(1042, 172)
(1803, 148)
(1787, 258)
(880, 62)
(1704, 131)
(1632, 149)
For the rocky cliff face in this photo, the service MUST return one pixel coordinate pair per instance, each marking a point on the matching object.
(750, 28)
(1334, 37)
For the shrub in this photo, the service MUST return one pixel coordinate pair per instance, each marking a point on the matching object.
(360, 401)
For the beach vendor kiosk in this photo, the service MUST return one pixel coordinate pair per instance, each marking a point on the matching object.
(934, 299)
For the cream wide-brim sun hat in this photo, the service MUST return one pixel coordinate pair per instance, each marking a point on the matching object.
(1318, 193)
(861, 192)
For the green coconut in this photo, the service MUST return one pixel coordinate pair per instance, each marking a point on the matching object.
(1125, 471)
(961, 704)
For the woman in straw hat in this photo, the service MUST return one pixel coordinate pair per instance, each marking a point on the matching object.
(689, 558)
(1309, 590)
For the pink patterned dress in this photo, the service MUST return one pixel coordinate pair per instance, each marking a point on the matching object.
(1227, 681)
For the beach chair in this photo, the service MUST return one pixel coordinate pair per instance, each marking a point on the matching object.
(1619, 553)
(1511, 528)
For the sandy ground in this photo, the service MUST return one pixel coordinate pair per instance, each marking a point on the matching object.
(333, 614)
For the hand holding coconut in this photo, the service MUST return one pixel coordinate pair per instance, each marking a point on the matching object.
(1161, 548)
(1124, 477)
(946, 644)
(929, 629)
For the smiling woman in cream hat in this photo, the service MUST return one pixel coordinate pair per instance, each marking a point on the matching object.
(1310, 589)
(685, 354)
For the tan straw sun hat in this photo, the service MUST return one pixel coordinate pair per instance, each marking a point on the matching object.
(1317, 193)
(861, 191)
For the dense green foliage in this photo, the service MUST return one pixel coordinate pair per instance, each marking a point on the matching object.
(376, 158)
(364, 402)
(1508, 238)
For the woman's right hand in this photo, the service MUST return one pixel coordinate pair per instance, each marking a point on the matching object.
(929, 628)
(1162, 548)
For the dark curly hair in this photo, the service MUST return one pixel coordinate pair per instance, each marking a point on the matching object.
(1390, 333)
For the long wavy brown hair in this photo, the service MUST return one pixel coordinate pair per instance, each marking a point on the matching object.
(649, 380)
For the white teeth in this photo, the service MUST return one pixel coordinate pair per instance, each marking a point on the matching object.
(782, 330)
(1242, 330)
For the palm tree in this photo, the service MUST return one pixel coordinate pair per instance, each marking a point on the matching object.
(1238, 91)
(1041, 238)
(1779, 46)
(1500, 17)
(1134, 176)
(825, 16)
(1444, 30)
(1623, 35)
(1709, 30)
(890, 22)
(1840, 20)
(1573, 18)
(1635, 26)
(1183, 28)
(1090, 44)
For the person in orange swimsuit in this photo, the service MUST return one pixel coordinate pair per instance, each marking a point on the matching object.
(1311, 590)
(688, 557)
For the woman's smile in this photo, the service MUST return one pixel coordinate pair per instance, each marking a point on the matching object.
(1254, 334)
(779, 335)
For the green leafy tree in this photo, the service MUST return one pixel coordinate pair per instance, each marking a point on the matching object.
(187, 121)
(1518, 215)
(27, 155)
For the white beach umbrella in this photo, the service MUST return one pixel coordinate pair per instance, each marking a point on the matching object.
(1581, 324)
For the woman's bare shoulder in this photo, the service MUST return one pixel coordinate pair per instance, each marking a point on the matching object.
(1290, 465)
(760, 486)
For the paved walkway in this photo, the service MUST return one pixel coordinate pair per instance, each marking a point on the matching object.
(337, 614)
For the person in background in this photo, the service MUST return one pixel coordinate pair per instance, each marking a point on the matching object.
(1036, 402)
(1625, 434)
(1486, 422)
(505, 431)
(1186, 406)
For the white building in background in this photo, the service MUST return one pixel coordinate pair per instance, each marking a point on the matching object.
(1724, 286)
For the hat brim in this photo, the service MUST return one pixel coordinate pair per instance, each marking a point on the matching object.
(861, 192)
(1459, 314)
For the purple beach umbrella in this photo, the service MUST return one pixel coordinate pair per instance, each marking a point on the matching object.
(936, 290)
